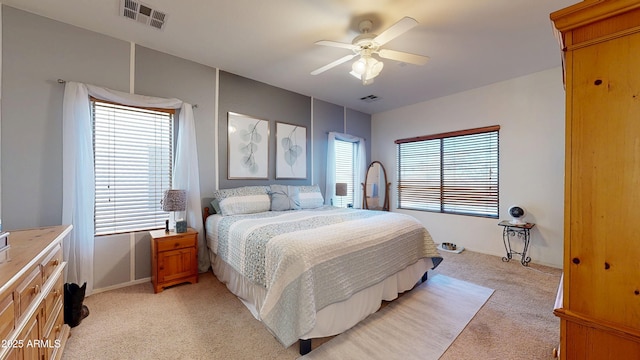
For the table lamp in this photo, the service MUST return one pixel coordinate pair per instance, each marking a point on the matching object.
(175, 200)
(341, 190)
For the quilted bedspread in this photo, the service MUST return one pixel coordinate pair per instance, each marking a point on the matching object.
(309, 259)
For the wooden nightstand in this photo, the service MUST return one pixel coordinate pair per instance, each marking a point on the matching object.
(174, 258)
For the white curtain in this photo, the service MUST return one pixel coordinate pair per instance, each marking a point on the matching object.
(359, 164)
(78, 184)
(78, 172)
(186, 176)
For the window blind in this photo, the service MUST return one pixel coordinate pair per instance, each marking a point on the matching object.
(453, 172)
(344, 170)
(133, 152)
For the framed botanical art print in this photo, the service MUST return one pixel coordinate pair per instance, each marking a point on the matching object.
(291, 151)
(247, 147)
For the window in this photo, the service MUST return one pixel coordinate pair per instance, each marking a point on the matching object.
(344, 170)
(133, 152)
(454, 172)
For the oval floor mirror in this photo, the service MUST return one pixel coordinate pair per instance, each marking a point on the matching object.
(376, 188)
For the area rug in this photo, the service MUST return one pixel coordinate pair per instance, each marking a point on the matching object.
(421, 324)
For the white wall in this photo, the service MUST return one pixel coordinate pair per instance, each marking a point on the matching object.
(530, 112)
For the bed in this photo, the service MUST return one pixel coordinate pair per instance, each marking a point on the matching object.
(307, 270)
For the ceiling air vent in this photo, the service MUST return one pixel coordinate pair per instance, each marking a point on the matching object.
(370, 98)
(143, 13)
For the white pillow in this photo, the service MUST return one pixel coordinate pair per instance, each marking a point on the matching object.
(242, 200)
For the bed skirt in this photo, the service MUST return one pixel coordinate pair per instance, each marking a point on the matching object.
(335, 318)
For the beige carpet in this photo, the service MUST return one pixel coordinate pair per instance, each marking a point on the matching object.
(420, 325)
(205, 321)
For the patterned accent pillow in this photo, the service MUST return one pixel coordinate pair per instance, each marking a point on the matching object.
(310, 197)
(242, 200)
(284, 197)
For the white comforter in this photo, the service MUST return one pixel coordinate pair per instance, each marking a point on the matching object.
(309, 259)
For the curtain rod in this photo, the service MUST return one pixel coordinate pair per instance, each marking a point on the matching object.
(62, 81)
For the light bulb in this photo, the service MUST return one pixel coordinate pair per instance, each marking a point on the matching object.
(375, 68)
(360, 66)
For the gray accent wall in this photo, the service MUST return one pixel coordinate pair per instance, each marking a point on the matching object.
(164, 75)
(112, 260)
(327, 117)
(37, 51)
(359, 124)
(255, 99)
(142, 261)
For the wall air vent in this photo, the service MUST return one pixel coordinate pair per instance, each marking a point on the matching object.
(370, 98)
(143, 13)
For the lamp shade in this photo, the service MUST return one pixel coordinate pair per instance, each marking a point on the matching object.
(341, 189)
(174, 200)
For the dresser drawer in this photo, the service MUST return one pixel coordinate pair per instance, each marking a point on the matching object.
(28, 290)
(52, 299)
(53, 336)
(12, 354)
(176, 242)
(7, 316)
(51, 262)
(32, 299)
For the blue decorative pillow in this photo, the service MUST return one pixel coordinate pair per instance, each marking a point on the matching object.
(284, 197)
(215, 206)
(310, 197)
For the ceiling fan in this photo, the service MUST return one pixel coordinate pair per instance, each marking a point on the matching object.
(366, 68)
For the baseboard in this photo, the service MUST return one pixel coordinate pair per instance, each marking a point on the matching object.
(118, 286)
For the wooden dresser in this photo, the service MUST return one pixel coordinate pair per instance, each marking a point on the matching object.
(32, 295)
(600, 312)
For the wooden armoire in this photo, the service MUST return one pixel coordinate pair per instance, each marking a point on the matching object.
(600, 313)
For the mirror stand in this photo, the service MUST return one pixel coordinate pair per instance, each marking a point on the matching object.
(372, 190)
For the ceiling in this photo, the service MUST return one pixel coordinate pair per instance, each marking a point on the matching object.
(471, 43)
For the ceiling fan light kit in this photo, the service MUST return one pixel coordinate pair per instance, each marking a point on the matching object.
(366, 68)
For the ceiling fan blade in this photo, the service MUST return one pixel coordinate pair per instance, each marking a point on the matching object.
(333, 64)
(397, 29)
(336, 44)
(403, 57)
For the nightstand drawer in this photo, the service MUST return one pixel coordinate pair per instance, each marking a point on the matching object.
(176, 242)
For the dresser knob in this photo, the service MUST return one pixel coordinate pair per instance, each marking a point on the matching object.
(36, 289)
(576, 261)
(176, 245)
(56, 262)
